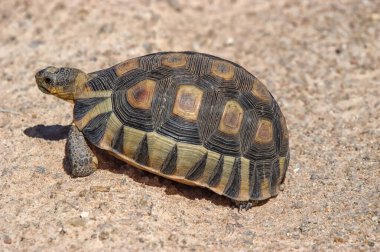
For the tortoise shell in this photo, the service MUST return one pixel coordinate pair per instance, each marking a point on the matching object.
(189, 117)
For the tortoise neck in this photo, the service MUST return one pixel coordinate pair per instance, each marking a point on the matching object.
(80, 84)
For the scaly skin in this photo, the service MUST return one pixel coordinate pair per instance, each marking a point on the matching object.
(82, 160)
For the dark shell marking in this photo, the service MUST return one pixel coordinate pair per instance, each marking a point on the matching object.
(190, 117)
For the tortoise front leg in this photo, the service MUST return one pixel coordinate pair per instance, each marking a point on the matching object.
(81, 159)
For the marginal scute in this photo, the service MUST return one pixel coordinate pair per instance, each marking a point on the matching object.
(142, 155)
(228, 163)
(260, 91)
(275, 177)
(284, 128)
(217, 171)
(96, 127)
(174, 60)
(188, 102)
(170, 163)
(198, 169)
(102, 107)
(188, 155)
(113, 125)
(126, 66)
(244, 173)
(83, 106)
(264, 133)
(254, 188)
(232, 117)
(132, 139)
(282, 163)
(117, 143)
(223, 69)
(211, 163)
(232, 188)
(141, 95)
(159, 148)
(265, 188)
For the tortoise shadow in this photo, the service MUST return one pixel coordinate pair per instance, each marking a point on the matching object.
(51, 132)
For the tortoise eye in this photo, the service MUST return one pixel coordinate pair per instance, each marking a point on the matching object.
(48, 80)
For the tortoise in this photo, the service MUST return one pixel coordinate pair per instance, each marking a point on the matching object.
(190, 117)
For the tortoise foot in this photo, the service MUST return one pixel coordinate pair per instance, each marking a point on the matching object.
(82, 161)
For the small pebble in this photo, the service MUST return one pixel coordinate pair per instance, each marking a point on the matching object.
(100, 188)
(314, 176)
(174, 4)
(104, 235)
(62, 231)
(82, 193)
(140, 226)
(305, 226)
(297, 205)
(7, 239)
(84, 215)
(230, 41)
(148, 47)
(40, 169)
(249, 233)
(282, 187)
(297, 168)
(35, 43)
(338, 239)
(6, 171)
(77, 222)
(106, 28)
(173, 237)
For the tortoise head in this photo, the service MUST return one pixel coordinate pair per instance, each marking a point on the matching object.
(62, 82)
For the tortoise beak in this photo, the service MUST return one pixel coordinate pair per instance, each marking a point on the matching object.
(40, 80)
(43, 90)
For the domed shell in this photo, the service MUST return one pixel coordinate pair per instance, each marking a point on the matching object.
(189, 117)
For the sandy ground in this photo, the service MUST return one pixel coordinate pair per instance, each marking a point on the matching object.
(321, 61)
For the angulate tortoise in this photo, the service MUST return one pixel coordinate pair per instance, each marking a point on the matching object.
(189, 117)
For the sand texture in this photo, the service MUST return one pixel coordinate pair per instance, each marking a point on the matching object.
(321, 61)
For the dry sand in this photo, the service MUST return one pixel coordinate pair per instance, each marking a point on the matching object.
(321, 61)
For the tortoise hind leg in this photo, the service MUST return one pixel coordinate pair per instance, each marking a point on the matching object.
(243, 205)
(246, 205)
(81, 160)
